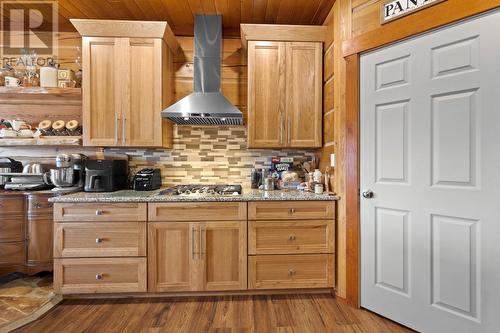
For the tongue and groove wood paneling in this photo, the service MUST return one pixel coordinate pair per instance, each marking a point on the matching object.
(179, 13)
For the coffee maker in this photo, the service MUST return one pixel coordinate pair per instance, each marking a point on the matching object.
(68, 176)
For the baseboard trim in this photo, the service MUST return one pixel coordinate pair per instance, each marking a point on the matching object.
(201, 294)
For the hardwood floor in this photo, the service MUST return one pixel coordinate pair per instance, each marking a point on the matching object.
(297, 313)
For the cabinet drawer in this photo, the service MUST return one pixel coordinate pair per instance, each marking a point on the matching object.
(87, 239)
(68, 212)
(291, 271)
(291, 210)
(39, 205)
(12, 229)
(100, 275)
(11, 204)
(291, 237)
(12, 253)
(197, 211)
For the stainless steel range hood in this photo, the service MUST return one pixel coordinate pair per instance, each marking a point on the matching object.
(206, 105)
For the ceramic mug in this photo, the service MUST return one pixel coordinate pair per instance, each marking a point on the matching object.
(19, 125)
(11, 81)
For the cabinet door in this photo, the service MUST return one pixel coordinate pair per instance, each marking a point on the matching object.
(304, 94)
(143, 93)
(102, 82)
(224, 254)
(172, 256)
(266, 94)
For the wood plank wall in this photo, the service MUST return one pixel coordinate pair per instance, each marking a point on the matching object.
(234, 71)
(332, 133)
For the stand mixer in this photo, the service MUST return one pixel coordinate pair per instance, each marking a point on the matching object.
(68, 175)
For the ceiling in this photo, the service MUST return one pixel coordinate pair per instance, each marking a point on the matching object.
(179, 13)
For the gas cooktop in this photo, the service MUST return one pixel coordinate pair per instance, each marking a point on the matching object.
(202, 190)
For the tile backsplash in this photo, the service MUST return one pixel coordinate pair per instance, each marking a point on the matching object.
(207, 155)
(199, 155)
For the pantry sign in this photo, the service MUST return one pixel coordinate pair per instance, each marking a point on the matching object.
(393, 9)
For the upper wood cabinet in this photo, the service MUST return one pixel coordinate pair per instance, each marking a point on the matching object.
(127, 82)
(284, 87)
(266, 94)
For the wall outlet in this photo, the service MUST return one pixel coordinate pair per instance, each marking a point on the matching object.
(332, 160)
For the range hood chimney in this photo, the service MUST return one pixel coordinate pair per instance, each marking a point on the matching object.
(206, 105)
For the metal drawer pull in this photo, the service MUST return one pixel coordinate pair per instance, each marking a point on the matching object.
(98, 276)
(291, 237)
(292, 210)
(98, 212)
(98, 240)
(38, 205)
(291, 272)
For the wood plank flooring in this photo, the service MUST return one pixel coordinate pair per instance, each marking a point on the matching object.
(262, 314)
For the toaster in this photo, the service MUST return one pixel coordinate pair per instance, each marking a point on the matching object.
(147, 180)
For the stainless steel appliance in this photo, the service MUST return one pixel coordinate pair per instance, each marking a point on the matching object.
(206, 105)
(203, 190)
(106, 175)
(68, 174)
(9, 165)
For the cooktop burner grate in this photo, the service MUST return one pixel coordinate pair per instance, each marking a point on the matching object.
(202, 189)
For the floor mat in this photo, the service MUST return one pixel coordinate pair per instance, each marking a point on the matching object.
(25, 299)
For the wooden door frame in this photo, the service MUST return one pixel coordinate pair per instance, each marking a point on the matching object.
(445, 13)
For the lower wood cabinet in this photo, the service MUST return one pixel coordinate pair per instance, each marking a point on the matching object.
(100, 275)
(291, 237)
(90, 239)
(291, 271)
(25, 232)
(192, 247)
(197, 256)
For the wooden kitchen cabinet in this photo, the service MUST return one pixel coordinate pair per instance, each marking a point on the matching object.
(224, 255)
(284, 94)
(127, 82)
(26, 225)
(197, 256)
(172, 251)
(266, 94)
(40, 225)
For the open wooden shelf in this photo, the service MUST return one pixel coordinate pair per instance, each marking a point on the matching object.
(40, 90)
(42, 141)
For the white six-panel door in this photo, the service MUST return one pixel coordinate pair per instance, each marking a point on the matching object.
(430, 153)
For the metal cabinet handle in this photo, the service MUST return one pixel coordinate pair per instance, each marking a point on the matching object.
(291, 272)
(38, 205)
(289, 131)
(292, 210)
(203, 236)
(116, 128)
(98, 276)
(124, 130)
(98, 240)
(98, 212)
(291, 237)
(192, 243)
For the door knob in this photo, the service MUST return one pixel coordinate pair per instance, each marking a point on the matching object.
(368, 194)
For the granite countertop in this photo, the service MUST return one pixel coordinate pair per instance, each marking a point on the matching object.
(154, 196)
